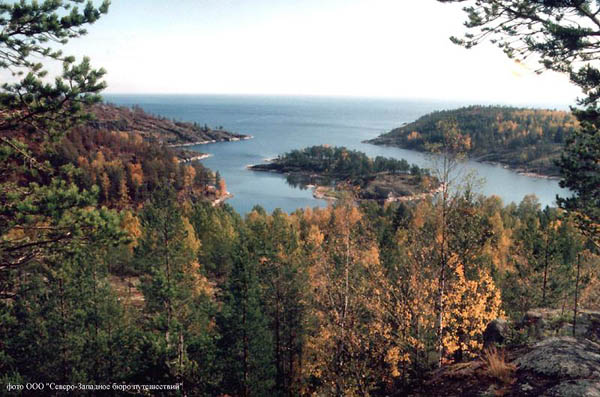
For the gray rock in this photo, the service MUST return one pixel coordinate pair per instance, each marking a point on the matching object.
(577, 388)
(563, 357)
(542, 323)
(495, 332)
(526, 387)
(534, 321)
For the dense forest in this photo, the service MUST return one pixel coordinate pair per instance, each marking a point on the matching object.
(525, 139)
(337, 301)
(121, 269)
(339, 162)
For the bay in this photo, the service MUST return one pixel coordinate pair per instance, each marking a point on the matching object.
(283, 123)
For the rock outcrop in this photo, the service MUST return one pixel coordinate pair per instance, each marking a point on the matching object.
(572, 364)
(544, 323)
(552, 363)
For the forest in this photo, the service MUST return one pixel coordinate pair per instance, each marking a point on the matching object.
(524, 139)
(339, 301)
(338, 162)
(120, 265)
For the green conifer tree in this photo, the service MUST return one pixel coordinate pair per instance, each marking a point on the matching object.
(246, 347)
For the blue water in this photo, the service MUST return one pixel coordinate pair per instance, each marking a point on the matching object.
(280, 124)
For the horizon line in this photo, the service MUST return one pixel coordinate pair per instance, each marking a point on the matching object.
(470, 101)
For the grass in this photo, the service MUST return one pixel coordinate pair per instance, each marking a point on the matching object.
(497, 367)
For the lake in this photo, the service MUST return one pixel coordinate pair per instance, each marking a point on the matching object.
(282, 123)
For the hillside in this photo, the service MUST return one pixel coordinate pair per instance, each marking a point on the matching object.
(153, 128)
(128, 154)
(526, 140)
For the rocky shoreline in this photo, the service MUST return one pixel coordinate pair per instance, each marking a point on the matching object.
(414, 197)
(222, 199)
(196, 158)
(234, 139)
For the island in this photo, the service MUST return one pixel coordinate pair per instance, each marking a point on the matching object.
(336, 171)
(525, 140)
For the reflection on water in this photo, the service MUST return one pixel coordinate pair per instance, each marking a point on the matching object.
(303, 181)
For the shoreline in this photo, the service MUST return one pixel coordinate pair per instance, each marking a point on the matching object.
(321, 193)
(325, 193)
(196, 158)
(415, 197)
(328, 193)
(536, 175)
(234, 139)
(222, 199)
(480, 159)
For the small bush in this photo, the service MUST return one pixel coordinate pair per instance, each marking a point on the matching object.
(497, 367)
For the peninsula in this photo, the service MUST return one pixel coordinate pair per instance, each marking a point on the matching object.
(157, 129)
(525, 140)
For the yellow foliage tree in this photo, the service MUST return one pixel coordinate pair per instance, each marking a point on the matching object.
(222, 187)
(471, 305)
(341, 351)
(189, 173)
(105, 185)
(131, 224)
(136, 173)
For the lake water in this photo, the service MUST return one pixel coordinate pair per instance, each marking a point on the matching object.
(280, 124)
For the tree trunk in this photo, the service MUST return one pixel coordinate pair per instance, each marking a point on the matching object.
(278, 359)
(576, 293)
(442, 281)
(63, 330)
(245, 389)
(545, 274)
(168, 269)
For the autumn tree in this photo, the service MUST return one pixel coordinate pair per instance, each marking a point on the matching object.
(222, 188)
(344, 260)
(447, 155)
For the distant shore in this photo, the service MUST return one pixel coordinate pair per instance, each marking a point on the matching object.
(234, 139)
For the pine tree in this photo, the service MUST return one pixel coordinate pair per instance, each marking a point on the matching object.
(64, 322)
(177, 297)
(162, 255)
(581, 174)
(41, 210)
(246, 346)
(275, 242)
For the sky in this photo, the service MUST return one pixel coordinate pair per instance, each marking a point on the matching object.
(364, 48)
